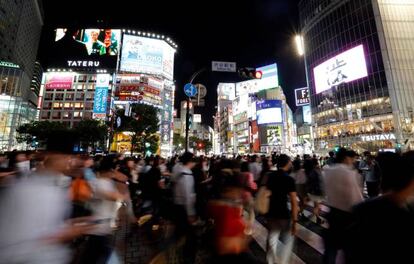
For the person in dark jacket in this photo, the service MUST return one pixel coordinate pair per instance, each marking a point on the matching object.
(314, 186)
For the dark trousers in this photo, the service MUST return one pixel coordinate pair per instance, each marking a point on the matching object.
(98, 249)
(336, 236)
(183, 229)
(373, 189)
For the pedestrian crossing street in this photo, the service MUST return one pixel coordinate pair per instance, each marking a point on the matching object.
(309, 246)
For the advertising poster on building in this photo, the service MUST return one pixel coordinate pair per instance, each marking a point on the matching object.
(101, 96)
(307, 114)
(274, 135)
(85, 48)
(270, 77)
(226, 91)
(165, 132)
(146, 55)
(59, 81)
(343, 68)
(247, 87)
(255, 137)
(269, 112)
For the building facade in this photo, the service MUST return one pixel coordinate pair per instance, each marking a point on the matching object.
(73, 103)
(20, 29)
(359, 57)
(253, 116)
(94, 73)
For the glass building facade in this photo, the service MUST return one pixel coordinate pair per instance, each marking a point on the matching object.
(372, 112)
(14, 110)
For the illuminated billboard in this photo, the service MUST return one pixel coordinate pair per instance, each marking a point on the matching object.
(269, 77)
(85, 48)
(274, 135)
(343, 68)
(59, 80)
(302, 96)
(101, 96)
(247, 87)
(269, 112)
(307, 114)
(147, 55)
(226, 91)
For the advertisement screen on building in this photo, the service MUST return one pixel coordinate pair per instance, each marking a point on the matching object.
(270, 78)
(307, 114)
(269, 112)
(302, 96)
(85, 48)
(274, 135)
(147, 55)
(226, 91)
(59, 80)
(343, 68)
(247, 87)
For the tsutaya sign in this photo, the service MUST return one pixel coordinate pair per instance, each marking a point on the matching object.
(378, 137)
(83, 63)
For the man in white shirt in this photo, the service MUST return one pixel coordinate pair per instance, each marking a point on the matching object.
(184, 192)
(343, 191)
(184, 200)
(255, 167)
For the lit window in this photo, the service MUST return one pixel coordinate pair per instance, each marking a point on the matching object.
(67, 105)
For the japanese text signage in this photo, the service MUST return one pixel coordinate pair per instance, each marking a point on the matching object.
(223, 66)
(101, 95)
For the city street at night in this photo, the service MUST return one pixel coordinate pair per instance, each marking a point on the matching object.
(174, 132)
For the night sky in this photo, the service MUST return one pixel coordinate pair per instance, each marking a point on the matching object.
(251, 33)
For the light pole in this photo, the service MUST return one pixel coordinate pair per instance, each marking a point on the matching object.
(300, 46)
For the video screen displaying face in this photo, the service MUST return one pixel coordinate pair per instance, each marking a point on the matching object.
(88, 42)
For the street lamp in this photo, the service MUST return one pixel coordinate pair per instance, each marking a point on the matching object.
(300, 45)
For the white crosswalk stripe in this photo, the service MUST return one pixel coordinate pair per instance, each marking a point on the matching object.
(311, 238)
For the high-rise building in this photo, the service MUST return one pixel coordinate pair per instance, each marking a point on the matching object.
(36, 79)
(20, 29)
(359, 57)
(22, 22)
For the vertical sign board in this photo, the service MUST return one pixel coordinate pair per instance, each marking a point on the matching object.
(101, 96)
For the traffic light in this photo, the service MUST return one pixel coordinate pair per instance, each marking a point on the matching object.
(190, 121)
(200, 145)
(250, 73)
(398, 146)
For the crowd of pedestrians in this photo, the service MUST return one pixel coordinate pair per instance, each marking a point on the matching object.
(64, 208)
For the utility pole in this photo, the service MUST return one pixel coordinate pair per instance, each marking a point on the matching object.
(187, 115)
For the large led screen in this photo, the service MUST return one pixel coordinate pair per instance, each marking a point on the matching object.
(270, 77)
(85, 48)
(343, 68)
(269, 112)
(147, 55)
